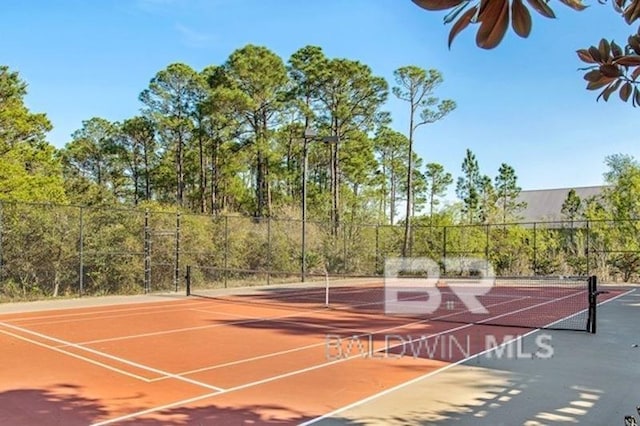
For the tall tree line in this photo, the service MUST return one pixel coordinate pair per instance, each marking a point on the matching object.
(229, 139)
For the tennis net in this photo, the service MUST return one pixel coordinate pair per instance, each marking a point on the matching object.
(538, 302)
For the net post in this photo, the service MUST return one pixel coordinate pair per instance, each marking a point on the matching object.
(187, 279)
(593, 303)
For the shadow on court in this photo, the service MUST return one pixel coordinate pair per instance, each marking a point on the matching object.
(65, 404)
(589, 380)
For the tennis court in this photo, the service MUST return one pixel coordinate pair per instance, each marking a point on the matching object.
(287, 354)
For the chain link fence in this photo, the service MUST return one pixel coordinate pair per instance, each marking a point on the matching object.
(68, 251)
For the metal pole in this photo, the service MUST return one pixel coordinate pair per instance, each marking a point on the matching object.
(303, 256)
(344, 247)
(486, 250)
(81, 252)
(486, 243)
(176, 272)
(535, 250)
(587, 249)
(377, 266)
(147, 253)
(1, 238)
(226, 249)
(269, 250)
(444, 242)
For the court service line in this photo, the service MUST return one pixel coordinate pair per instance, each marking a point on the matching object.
(433, 373)
(176, 330)
(315, 345)
(89, 360)
(157, 309)
(113, 357)
(302, 348)
(202, 327)
(256, 383)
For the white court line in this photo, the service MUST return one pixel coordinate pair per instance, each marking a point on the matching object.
(256, 383)
(263, 381)
(78, 314)
(315, 345)
(180, 330)
(433, 373)
(301, 348)
(89, 360)
(115, 358)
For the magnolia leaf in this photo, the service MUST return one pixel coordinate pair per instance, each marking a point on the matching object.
(609, 90)
(593, 76)
(634, 42)
(636, 73)
(595, 85)
(449, 18)
(494, 21)
(628, 61)
(575, 4)
(616, 50)
(625, 91)
(542, 8)
(617, 5)
(637, 97)
(437, 4)
(462, 23)
(632, 12)
(595, 54)
(604, 49)
(520, 19)
(585, 56)
(609, 70)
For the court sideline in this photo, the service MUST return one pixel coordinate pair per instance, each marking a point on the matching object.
(589, 380)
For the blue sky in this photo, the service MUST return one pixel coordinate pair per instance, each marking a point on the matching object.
(523, 103)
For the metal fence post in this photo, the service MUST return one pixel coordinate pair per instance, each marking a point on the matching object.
(1, 242)
(486, 243)
(344, 248)
(226, 249)
(535, 250)
(269, 250)
(176, 271)
(377, 261)
(147, 252)
(81, 253)
(444, 249)
(587, 249)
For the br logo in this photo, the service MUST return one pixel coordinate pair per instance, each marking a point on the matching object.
(410, 284)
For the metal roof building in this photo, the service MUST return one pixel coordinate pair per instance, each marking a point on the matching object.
(546, 204)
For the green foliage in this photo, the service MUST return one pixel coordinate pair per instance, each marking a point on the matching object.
(468, 186)
(29, 167)
(571, 206)
(507, 191)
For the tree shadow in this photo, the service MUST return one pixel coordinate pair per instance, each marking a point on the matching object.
(61, 404)
(215, 415)
(65, 404)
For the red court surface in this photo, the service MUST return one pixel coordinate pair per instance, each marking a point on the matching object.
(207, 362)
